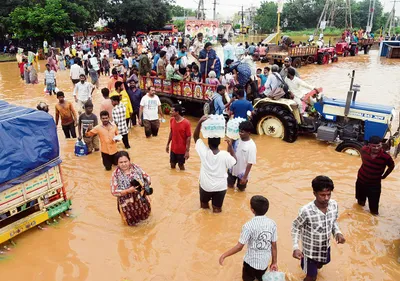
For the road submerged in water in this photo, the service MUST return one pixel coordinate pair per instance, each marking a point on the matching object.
(182, 242)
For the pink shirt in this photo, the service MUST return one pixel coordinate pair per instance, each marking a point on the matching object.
(107, 105)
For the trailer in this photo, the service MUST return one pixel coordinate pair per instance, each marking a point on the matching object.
(366, 44)
(195, 95)
(300, 55)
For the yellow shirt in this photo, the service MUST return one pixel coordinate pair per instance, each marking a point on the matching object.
(118, 52)
(73, 52)
(125, 101)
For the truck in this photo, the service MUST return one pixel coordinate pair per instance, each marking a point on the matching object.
(347, 123)
(194, 95)
(31, 184)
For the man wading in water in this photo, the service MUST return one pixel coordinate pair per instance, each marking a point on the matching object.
(371, 173)
(314, 225)
(213, 170)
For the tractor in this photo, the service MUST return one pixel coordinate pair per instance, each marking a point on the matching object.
(346, 49)
(348, 123)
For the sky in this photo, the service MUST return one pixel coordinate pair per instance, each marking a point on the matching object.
(229, 7)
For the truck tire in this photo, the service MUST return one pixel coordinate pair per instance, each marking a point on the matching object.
(166, 104)
(296, 63)
(310, 60)
(350, 147)
(275, 121)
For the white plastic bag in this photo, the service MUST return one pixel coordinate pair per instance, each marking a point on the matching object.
(273, 276)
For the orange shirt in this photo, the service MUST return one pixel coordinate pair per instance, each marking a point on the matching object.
(106, 135)
(67, 113)
(111, 83)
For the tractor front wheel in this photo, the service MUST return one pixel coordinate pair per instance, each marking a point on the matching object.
(350, 147)
(275, 121)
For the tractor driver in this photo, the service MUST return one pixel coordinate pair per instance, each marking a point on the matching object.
(295, 85)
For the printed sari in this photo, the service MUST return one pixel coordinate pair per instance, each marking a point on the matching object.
(133, 207)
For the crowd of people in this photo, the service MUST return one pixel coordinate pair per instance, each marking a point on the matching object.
(124, 105)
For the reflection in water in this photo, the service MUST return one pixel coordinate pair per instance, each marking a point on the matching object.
(182, 242)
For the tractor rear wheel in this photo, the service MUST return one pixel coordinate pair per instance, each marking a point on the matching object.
(275, 121)
(320, 58)
(296, 63)
(350, 147)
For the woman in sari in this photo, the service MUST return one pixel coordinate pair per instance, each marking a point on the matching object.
(133, 205)
(207, 59)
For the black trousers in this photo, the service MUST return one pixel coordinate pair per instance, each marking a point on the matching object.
(372, 193)
(134, 116)
(249, 273)
(125, 140)
(108, 160)
(69, 130)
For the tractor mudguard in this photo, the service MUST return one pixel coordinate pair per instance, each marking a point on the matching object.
(291, 105)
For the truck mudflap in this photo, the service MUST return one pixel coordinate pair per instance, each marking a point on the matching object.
(59, 208)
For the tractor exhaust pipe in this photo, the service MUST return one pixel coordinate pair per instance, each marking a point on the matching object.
(349, 95)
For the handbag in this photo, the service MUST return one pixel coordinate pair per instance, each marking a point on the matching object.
(276, 94)
(273, 276)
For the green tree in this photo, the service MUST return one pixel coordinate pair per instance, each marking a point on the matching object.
(179, 11)
(180, 24)
(48, 21)
(137, 15)
(266, 17)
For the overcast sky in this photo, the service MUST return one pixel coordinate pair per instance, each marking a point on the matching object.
(229, 7)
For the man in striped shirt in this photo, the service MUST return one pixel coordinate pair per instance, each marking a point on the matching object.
(260, 235)
(314, 225)
(118, 115)
(372, 171)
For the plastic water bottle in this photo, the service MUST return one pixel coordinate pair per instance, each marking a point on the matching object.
(232, 128)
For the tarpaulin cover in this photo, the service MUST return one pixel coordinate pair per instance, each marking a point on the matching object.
(28, 144)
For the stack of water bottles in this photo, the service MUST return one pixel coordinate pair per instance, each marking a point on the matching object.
(213, 127)
(232, 128)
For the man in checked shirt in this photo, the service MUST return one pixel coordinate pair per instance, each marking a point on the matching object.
(314, 225)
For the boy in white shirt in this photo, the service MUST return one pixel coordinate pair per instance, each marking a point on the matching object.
(260, 235)
(246, 154)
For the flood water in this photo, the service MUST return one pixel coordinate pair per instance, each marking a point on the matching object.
(182, 242)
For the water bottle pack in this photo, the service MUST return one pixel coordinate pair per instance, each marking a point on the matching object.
(81, 148)
(213, 127)
(232, 128)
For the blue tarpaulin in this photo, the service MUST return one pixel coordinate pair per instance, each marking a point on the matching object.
(28, 144)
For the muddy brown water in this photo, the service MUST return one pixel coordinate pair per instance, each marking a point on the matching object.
(181, 242)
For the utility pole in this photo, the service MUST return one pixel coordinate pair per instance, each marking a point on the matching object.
(214, 10)
(200, 11)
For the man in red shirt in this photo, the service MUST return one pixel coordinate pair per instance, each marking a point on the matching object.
(372, 171)
(179, 135)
